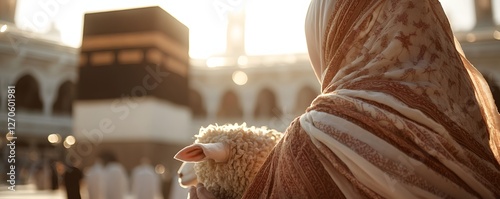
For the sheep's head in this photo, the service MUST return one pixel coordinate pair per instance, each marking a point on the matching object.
(226, 158)
(187, 175)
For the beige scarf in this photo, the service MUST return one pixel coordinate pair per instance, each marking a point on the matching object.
(402, 113)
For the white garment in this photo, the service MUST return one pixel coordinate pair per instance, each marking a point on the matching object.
(145, 182)
(116, 182)
(95, 181)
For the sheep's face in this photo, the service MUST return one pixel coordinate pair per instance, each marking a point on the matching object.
(227, 157)
(187, 175)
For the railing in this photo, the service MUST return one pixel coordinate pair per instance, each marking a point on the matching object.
(38, 124)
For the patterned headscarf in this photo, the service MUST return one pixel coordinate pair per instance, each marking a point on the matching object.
(402, 113)
(401, 43)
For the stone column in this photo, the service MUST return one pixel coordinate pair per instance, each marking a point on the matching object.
(212, 98)
(287, 99)
(484, 14)
(49, 93)
(235, 45)
(248, 96)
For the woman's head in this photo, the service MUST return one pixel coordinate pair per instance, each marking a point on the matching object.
(317, 18)
(399, 46)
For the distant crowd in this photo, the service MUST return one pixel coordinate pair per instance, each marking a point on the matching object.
(106, 178)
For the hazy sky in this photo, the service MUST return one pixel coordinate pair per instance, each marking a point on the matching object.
(272, 26)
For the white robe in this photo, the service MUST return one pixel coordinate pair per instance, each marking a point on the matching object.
(95, 181)
(145, 182)
(116, 182)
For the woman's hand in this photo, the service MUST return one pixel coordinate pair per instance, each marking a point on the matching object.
(200, 192)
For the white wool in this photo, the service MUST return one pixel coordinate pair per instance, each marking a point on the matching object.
(249, 148)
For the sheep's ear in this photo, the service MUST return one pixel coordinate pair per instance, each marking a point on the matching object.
(199, 152)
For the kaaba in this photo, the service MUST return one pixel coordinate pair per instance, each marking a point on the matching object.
(133, 87)
(122, 48)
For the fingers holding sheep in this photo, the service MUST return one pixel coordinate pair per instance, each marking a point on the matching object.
(203, 193)
(199, 192)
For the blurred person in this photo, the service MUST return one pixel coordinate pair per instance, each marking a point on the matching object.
(166, 184)
(402, 113)
(42, 174)
(72, 177)
(115, 177)
(145, 181)
(54, 176)
(94, 178)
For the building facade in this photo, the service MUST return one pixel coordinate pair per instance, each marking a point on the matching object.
(288, 83)
(119, 95)
(44, 75)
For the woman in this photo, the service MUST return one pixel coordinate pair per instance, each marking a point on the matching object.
(402, 113)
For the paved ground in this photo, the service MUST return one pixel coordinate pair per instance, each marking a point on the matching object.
(30, 192)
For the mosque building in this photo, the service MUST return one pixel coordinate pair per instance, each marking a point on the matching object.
(133, 86)
(146, 97)
(44, 74)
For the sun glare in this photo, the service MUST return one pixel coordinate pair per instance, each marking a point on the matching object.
(3, 28)
(240, 78)
(270, 26)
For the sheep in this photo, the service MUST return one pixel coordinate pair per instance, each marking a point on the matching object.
(187, 175)
(226, 158)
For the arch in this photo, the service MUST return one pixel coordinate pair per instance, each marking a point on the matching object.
(196, 103)
(230, 106)
(64, 101)
(28, 94)
(266, 106)
(304, 98)
(495, 89)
